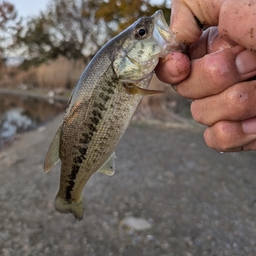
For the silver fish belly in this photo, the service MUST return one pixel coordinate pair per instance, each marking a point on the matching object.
(102, 105)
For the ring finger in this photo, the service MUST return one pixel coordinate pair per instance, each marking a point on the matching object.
(234, 104)
(227, 136)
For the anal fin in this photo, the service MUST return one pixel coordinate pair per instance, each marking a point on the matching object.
(109, 166)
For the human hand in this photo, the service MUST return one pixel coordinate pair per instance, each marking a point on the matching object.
(224, 99)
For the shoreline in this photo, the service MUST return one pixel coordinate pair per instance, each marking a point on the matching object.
(34, 94)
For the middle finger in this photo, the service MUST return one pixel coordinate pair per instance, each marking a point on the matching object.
(234, 104)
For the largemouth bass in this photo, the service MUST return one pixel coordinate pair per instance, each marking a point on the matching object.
(102, 105)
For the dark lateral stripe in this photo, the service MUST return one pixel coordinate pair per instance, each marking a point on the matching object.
(100, 106)
(78, 159)
(95, 118)
(82, 150)
(92, 127)
(75, 170)
(96, 113)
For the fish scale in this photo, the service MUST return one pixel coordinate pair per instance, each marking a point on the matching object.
(102, 133)
(102, 105)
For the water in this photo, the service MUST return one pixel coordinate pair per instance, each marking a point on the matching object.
(23, 113)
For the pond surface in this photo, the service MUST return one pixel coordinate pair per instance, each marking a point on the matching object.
(19, 113)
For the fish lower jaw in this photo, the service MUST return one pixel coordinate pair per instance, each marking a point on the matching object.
(146, 70)
(149, 63)
(148, 67)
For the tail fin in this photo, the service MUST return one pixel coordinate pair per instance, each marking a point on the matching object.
(64, 206)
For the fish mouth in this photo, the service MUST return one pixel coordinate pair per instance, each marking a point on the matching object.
(160, 21)
(163, 35)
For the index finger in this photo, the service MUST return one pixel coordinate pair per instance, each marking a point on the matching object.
(186, 14)
(212, 74)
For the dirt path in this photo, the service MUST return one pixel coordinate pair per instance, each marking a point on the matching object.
(197, 202)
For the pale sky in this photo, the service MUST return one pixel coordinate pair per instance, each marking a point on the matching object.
(27, 8)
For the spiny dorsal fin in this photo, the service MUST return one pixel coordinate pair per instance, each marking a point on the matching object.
(109, 166)
(52, 155)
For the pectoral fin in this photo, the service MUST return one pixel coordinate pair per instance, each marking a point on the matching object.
(133, 89)
(109, 166)
(52, 155)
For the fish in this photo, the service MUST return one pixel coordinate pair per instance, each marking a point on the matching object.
(102, 105)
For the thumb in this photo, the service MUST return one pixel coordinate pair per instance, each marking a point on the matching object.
(189, 16)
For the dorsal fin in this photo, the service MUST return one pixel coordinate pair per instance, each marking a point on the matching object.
(53, 155)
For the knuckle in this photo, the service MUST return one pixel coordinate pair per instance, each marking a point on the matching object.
(241, 98)
(219, 70)
(223, 135)
(211, 70)
(216, 74)
(233, 96)
(211, 140)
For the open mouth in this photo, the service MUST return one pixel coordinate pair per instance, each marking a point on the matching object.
(164, 36)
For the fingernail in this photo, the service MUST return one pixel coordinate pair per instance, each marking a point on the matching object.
(246, 62)
(249, 126)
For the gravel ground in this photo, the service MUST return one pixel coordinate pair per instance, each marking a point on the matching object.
(194, 200)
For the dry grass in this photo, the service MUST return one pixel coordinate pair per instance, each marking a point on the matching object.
(61, 73)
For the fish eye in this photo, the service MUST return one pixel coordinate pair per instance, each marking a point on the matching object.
(141, 33)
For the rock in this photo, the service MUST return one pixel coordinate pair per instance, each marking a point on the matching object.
(51, 94)
(138, 224)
